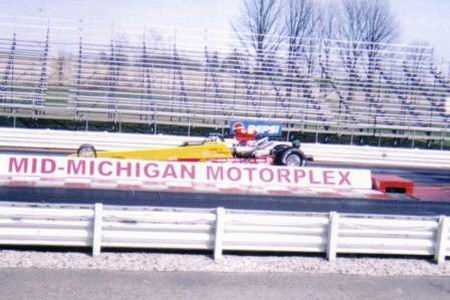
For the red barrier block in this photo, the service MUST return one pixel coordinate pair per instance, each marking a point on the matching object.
(392, 183)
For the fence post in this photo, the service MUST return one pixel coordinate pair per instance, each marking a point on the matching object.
(189, 126)
(220, 230)
(97, 234)
(440, 248)
(332, 236)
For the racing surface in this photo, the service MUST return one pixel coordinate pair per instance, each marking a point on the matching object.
(399, 206)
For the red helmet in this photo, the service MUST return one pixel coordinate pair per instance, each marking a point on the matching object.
(238, 126)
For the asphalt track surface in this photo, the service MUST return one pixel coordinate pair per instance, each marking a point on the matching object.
(40, 284)
(204, 200)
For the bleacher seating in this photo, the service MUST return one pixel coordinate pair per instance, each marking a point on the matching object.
(337, 86)
(23, 65)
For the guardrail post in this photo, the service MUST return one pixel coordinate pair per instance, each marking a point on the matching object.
(332, 236)
(97, 234)
(440, 249)
(220, 230)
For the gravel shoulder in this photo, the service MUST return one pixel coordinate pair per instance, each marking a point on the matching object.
(151, 261)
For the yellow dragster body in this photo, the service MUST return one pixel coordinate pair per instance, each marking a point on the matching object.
(189, 152)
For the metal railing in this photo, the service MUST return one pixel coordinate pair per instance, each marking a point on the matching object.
(220, 230)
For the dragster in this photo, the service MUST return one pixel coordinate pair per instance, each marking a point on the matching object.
(246, 147)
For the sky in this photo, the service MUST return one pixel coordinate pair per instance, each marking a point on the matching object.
(419, 20)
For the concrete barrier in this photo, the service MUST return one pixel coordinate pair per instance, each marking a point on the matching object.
(197, 177)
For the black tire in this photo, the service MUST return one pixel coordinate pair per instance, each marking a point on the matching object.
(86, 148)
(292, 158)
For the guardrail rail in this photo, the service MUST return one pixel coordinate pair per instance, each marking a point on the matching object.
(98, 226)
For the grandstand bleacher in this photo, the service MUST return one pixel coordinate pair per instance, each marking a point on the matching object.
(326, 86)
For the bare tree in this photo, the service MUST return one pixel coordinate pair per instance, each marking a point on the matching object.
(154, 39)
(301, 19)
(417, 63)
(417, 60)
(258, 28)
(366, 25)
(300, 22)
(328, 30)
(328, 19)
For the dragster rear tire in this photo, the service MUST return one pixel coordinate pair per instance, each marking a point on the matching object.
(292, 158)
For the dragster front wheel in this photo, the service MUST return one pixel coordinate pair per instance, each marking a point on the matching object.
(86, 151)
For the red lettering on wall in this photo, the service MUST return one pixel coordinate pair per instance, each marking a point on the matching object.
(188, 171)
(169, 171)
(344, 178)
(311, 178)
(137, 169)
(250, 172)
(92, 167)
(283, 175)
(191, 173)
(18, 167)
(214, 173)
(268, 177)
(33, 165)
(76, 167)
(101, 168)
(149, 172)
(328, 177)
(298, 175)
(237, 174)
(48, 166)
(120, 168)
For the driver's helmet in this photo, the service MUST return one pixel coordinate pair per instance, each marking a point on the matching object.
(242, 135)
(238, 127)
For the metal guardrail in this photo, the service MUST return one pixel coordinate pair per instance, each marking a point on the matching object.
(356, 155)
(222, 230)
